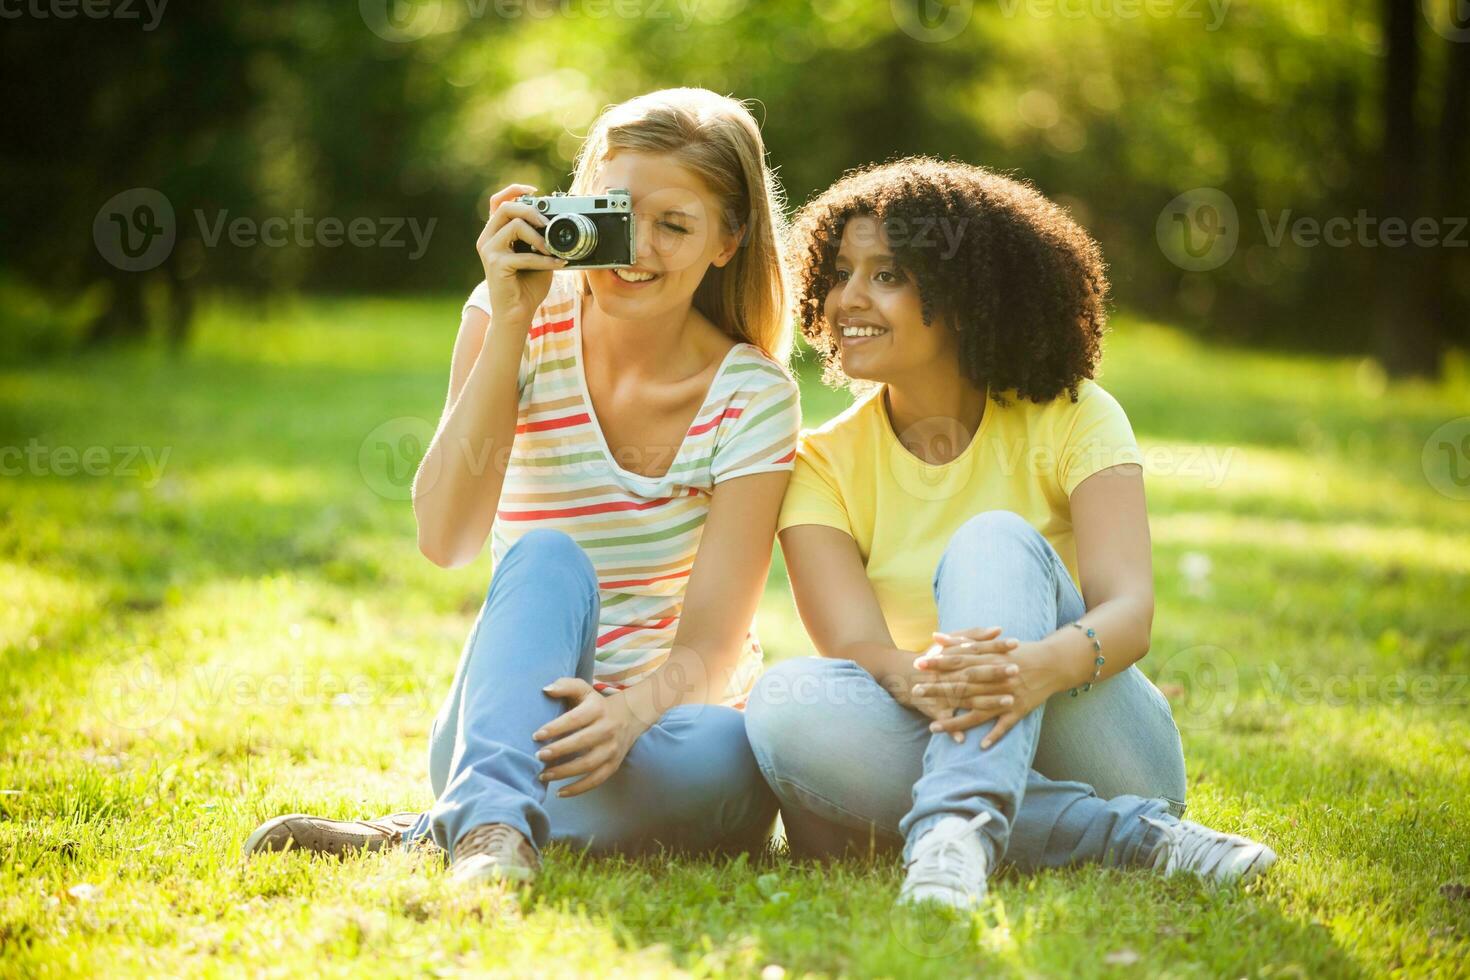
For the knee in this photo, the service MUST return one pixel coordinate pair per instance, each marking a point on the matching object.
(993, 527)
(785, 707)
(780, 688)
(996, 534)
(554, 560)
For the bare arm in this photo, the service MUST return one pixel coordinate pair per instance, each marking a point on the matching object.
(1115, 565)
(720, 602)
(836, 601)
(457, 488)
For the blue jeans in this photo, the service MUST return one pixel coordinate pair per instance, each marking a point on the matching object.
(689, 781)
(1067, 784)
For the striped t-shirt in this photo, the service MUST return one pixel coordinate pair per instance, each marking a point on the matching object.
(641, 532)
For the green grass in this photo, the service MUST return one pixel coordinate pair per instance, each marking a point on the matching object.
(254, 632)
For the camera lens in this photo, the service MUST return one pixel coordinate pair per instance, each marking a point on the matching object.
(571, 236)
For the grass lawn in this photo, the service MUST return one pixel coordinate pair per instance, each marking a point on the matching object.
(227, 618)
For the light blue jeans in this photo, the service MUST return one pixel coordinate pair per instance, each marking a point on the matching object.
(689, 782)
(1067, 784)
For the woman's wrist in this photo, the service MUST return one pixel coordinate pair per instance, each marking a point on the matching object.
(891, 667)
(508, 332)
(681, 679)
(630, 715)
(1055, 663)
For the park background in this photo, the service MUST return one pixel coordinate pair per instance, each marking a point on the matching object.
(212, 609)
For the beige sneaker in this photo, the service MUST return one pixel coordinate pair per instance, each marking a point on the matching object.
(322, 836)
(493, 851)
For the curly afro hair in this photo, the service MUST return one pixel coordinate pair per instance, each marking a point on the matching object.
(1022, 286)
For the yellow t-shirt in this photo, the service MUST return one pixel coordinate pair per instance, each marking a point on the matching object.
(853, 474)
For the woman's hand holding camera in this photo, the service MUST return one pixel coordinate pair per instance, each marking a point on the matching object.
(518, 281)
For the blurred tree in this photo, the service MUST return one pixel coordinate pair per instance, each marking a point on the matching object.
(1448, 305)
(1407, 340)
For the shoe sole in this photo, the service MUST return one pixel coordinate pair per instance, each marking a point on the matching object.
(255, 840)
(489, 871)
(962, 904)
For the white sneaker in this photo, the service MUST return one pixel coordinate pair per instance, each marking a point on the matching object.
(949, 865)
(1217, 857)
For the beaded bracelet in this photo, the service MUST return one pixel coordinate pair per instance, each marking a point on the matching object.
(1096, 648)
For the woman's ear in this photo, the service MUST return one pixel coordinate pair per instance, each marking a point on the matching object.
(737, 237)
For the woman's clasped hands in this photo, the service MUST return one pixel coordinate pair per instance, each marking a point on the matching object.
(983, 673)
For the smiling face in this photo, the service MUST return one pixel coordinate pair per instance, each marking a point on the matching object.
(679, 233)
(874, 311)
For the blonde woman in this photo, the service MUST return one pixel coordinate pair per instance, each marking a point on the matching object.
(647, 428)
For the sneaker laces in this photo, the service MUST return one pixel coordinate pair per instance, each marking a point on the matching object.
(394, 824)
(941, 855)
(487, 838)
(1185, 847)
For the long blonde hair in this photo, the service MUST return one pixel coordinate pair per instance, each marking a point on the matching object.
(718, 139)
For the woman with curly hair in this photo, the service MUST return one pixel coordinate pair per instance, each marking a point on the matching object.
(981, 509)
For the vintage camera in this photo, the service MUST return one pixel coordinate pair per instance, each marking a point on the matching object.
(593, 231)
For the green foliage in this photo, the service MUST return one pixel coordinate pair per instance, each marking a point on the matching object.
(331, 111)
(243, 627)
